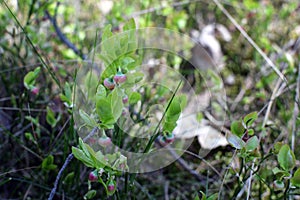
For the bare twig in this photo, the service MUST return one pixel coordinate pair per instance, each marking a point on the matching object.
(166, 190)
(184, 165)
(67, 161)
(53, 191)
(62, 36)
(273, 97)
(250, 181)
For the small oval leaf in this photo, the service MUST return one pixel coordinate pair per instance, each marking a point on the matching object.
(237, 128)
(235, 141)
(250, 118)
(252, 143)
(286, 158)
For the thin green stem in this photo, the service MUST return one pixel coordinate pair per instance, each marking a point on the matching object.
(156, 132)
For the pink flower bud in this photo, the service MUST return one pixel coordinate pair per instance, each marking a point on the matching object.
(93, 176)
(125, 99)
(104, 141)
(109, 84)
(170, 138)
(120, 78)
(111, 187)
(35, 90)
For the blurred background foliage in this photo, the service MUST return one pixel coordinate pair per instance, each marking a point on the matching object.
(37, 130)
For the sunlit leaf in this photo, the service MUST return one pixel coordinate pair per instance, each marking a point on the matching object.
(235, 141)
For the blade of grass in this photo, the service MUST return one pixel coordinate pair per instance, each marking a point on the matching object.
(156, 132)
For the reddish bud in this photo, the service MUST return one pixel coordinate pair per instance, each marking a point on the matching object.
(35, 90)
(120, 78)
(170, 138)
(109, 84)
(111, 187)
(93, 176)
(104, 141)
(125, 99)
(166, 139)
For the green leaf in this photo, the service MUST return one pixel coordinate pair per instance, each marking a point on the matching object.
(130, 24)
(108, 72)
(67, 96)
(277, 147)
(91, 152)
(101, 159)
(68, 180)
(251, 4)
(295, 180)
(126, 61)
(87, 119)
(101, 92)
(276, 170)
(123, 43)
(104, 111)
(197, 197)
(90, 194)
(132, 79)
(65, 99)
(93, 156)
(252, 143)
(90, 82)
(68, 91)
(110, 108)
(237, 128)
(117, 103)
(47, 163)
(250, 132)
(78, 153)
(134, 98)
(30, 77)
(29, 137)
(50, 117)
(172, 115)
(106, 32)
(82, 146)
(213, 197)
(280, 174)
(183, 101)
(203, 195)
(250, 118)
(235, 141)
(286, 158)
